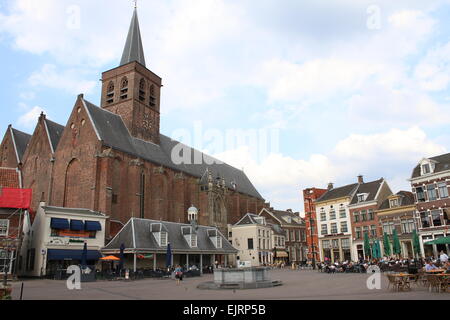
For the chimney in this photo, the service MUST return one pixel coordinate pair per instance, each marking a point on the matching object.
(360, 179)
(330, 186)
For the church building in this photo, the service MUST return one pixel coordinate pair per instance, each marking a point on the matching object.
(113, 159)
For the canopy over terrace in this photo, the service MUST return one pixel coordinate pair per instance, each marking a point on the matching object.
(442, 240)
(197, 244)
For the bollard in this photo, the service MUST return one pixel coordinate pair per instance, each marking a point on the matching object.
(21, 291)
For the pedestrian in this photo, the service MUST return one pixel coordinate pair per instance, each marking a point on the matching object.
(443, 257)
(179, 274)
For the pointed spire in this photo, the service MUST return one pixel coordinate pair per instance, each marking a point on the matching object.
(133, 50)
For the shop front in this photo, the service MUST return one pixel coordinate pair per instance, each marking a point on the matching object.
(59, 237)
(336, 250)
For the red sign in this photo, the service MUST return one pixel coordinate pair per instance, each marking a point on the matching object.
(73, 234)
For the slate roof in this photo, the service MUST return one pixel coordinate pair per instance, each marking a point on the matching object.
(281, 214)
(136, 235)
(21, 140)
(406, 199)
(277, 229)
(55, 131)
(249, 218)
(369, 187)
(340, 192)
(9, 178)
(442, 164)
(114, 134)
(133, 50)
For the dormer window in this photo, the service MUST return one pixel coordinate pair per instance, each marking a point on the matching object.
(163, 239)
(218, 242)
(160, 233)
(260, 220)
(215, 238)
(288, 219)
(427, 166)
(193, 240)
(362, 197)
(190, 236)
(393, 203)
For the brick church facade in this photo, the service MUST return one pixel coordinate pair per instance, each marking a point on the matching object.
(113, 158)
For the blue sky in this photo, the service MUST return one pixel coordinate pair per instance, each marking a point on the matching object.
(351, 87)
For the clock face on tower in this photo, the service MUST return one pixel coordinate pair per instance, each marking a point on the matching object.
(147, 123)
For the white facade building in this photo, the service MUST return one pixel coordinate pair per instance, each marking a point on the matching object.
(57, 237)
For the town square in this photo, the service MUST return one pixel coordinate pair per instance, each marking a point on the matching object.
(297, 285)
(220, 151)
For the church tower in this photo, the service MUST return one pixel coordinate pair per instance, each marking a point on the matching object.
(133, 91)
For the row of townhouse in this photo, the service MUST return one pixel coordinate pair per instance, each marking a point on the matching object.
(272, 236)
(338, 218)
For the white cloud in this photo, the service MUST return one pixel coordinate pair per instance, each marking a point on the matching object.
(30, 118)
(385, 105)
(396, 144)
(391, 155)
(68, 80)
(433, 71)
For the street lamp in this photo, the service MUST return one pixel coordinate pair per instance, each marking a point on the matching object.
(311, 225)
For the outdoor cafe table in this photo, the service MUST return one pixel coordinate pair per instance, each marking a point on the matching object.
(436, 271)
(402, 280)
(444, 278)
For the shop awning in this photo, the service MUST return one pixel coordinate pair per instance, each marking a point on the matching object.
(60, 224)
(92, 226)
(281, 254)
(76, 225)
(65, 254)
(442, 240)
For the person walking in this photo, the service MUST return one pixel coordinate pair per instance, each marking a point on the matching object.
(178, 274)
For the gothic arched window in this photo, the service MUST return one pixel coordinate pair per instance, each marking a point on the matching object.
(110, 93)
(72, 190)
(142, 85)
(152, 96)
(124, 88)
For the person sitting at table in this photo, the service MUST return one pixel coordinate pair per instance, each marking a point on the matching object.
(443, 257)
(447, 267)
(429, 266)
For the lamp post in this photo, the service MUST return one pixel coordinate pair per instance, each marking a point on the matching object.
(311, 225)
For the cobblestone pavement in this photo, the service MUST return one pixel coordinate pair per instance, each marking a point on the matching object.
(301, 284)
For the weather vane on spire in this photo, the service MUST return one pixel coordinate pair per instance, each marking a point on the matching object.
(135, 3)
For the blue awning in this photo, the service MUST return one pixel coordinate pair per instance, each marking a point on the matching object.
(60, 224)
(62, 254)
(76, 225)
(92, 226)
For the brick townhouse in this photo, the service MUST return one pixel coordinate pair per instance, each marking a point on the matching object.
(295, 231)
(367, 199)
(397, 213)
(429, 182)
(310, 195)
(14, 203)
